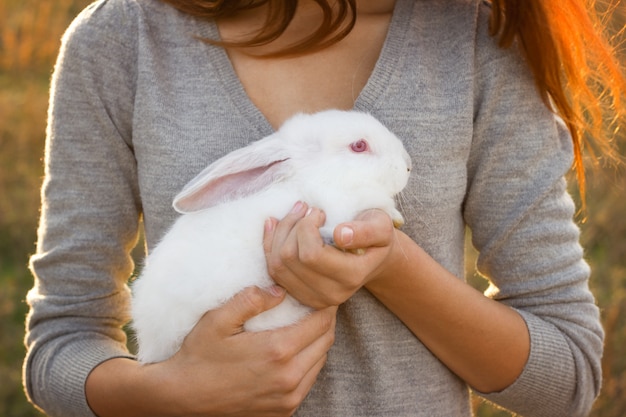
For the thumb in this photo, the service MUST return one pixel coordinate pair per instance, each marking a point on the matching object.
(250, 302)
(372, 228)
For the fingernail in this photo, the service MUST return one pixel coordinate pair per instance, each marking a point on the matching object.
(297, 208)
(269, 226)
(276, 290)
(346, 235)
(308, 211)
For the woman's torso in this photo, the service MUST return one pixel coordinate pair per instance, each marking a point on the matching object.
(193, 104)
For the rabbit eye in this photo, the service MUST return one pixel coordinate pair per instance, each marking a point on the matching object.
(359, 146)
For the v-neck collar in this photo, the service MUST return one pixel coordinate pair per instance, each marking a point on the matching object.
(377, 83)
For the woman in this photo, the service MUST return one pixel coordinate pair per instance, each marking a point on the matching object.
(147, 93)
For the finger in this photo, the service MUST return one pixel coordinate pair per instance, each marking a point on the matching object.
(314, 333)
(307, 268)
(307, 382)
(315, 273)
(268, 236)
(313, 357)
(277, 234)
(252, 301)
(297, 355)
(284, 228)
(307, 230)
(285, 400)
(304, 249)
(311, 353)
(282, 242)
(372, 228)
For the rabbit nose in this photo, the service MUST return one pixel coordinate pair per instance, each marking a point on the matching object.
(407, 160)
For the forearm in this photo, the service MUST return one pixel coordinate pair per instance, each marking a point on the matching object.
(483, 341)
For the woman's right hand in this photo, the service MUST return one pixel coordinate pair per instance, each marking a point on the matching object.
(221, 369)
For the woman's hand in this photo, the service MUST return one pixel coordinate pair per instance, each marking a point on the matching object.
(320, 275)
(220, 369)
(483, 341)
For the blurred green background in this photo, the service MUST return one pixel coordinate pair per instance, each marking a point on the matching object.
(29, 40)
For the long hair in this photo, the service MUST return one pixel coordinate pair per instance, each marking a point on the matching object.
(336, 23)
(575, 68)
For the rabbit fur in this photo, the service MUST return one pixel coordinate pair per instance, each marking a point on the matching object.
(343, 162)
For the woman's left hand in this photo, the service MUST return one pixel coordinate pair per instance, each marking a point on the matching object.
(321, 275)
(483, 341)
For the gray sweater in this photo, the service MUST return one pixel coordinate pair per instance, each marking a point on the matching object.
(139, 106)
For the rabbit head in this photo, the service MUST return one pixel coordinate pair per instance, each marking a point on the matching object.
(342, 159)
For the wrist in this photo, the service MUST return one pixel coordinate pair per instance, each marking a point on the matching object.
(394, 265)
(121, 387)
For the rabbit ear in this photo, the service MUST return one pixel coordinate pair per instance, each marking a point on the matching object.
(236, 175)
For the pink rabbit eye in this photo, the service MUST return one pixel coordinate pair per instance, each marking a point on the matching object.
(359, 146)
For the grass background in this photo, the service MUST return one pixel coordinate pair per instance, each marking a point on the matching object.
(29, 40)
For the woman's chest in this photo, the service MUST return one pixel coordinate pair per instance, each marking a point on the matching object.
(326, 79)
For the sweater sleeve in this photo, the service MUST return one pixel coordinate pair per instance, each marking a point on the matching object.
(89, 216)
(521, 218)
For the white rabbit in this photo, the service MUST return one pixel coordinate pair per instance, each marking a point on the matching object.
(343, 162)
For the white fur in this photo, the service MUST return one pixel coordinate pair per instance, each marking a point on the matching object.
(215, 249)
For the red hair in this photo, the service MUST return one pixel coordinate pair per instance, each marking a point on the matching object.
(575, 68)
